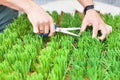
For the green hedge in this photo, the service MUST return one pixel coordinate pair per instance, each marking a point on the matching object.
(27, 56)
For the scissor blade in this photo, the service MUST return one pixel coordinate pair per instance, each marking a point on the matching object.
(58, 29)
(70, 33)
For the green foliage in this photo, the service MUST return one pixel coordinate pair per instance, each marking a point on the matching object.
(27, 56)
(66, 20)
(55, 16)
(76, 21)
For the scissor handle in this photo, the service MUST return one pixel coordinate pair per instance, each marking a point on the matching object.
(45, 35)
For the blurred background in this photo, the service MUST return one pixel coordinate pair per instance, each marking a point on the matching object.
(104, 6)
(43, 1)
(112, 2)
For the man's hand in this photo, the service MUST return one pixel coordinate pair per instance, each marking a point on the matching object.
(42, 22)
(92, 18)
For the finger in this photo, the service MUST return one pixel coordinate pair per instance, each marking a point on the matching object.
(102, 37)
(109, 29)
(89, 24)
(95, 29)
(47, 28)
(52, 28)
(41, 28)
(104, 33)
(35, 28)
(83, 27)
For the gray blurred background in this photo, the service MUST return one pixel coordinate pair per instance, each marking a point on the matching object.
(43, 1)
(113, 2)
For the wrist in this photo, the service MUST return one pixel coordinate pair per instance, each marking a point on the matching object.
(88, 7)
(91, 11)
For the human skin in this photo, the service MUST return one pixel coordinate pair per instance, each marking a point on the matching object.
(43, 23)
(92, 18)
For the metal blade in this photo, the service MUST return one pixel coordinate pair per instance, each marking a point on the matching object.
(65, 29)
(70, 33)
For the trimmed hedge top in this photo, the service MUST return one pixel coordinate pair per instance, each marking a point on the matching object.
(27, 56)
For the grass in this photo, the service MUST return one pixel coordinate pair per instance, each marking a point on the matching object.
(27, 56)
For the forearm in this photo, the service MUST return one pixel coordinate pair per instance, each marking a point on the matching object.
(21, 5)
(84, 3)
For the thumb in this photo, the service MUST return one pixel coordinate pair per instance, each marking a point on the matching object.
(83, 27)
(52, 29)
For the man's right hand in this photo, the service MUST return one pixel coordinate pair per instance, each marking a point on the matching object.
(42, 22)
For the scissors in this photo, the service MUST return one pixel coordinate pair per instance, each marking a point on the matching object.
(63, 30)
